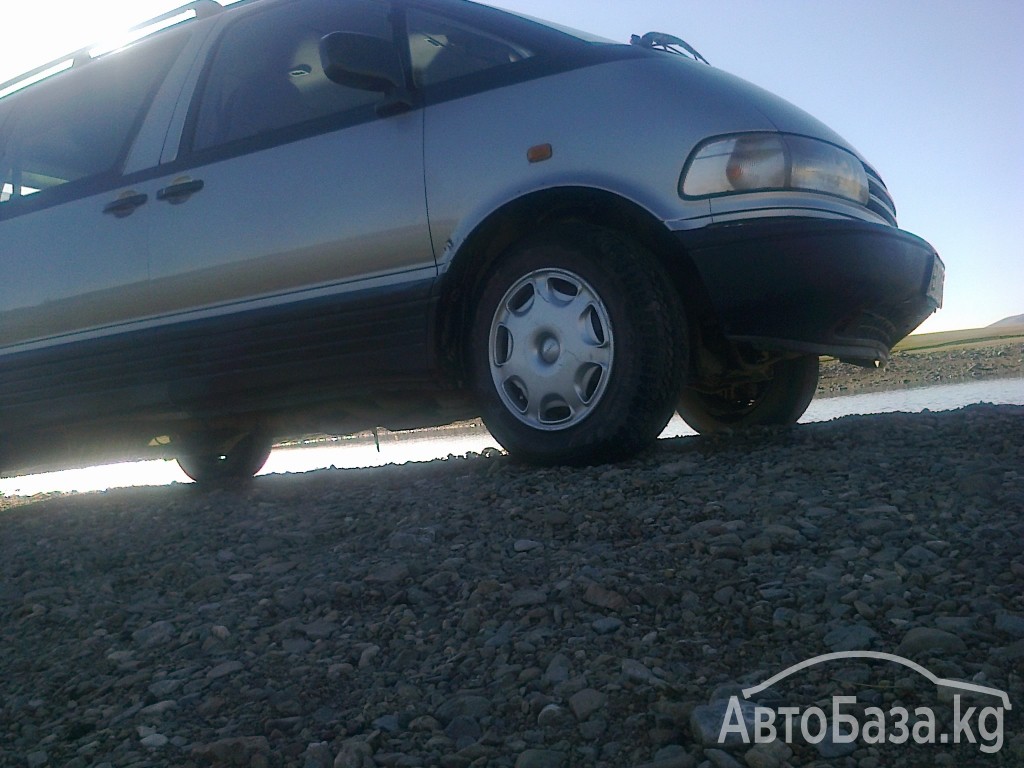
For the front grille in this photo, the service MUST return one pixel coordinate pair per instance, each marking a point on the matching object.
(879, 201)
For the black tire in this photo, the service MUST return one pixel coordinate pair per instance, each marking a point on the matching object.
(210, 463)
(577, 347)
(779, 400)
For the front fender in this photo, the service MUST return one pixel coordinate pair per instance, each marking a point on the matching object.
(624, 126)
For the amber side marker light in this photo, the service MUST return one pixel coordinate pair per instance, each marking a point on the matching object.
(539, 153)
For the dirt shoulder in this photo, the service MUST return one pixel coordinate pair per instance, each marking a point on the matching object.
(928, 366)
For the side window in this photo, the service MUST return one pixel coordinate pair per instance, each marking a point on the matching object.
(442, 49)
(78, 125)
(266, 73)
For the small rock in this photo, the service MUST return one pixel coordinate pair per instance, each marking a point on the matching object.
(468, 705)
(224, 669)
(236, 750)
(154, 741)
(502, 636)
(526, 545)
(319, 630)
(424, 723)
(318, 755)
(637, 671)
(607, 625)
(783, 535)
(851, 638)
(757, 545)
(525, 597)
(920, 641)
(679, 760)
(296, 645)
(604, 598)
(956, 624)
(876, 527)
(471, 621)
(354, 753)
(586, 702)
(463, 730)
(1010, 623)
(388, 574)
(541, 758)
(368, 655)
(390, 723)
(978, 484)
(673, 755)
(721, 759)
(593, 729)
(159, 708)
(559, 669)
(421, 539)
(775, 754)
(917, 555)
(552, 715)
(783, 617)
(679, 468)
(157, 633)
(206, 586)
(864, 610)
(162, 688)
(830, 750)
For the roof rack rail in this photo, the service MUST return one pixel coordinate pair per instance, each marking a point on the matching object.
(200, 8)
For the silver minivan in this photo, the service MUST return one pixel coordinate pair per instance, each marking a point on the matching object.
(286, 217)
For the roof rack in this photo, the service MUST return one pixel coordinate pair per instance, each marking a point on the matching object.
(198, 8)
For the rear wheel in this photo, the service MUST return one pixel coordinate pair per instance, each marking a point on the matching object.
(577, 347)
(778, 400)
(219, 461)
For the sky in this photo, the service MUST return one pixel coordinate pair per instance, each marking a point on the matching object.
(929, 91)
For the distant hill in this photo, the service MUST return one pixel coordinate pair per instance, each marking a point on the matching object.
(1008, 331)
(1015, 320)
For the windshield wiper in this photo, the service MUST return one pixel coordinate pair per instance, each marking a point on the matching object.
(659, 41)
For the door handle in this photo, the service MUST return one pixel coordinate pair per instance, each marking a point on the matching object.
(180, 191)
(126, 204)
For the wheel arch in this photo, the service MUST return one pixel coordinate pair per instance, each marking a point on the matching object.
(481, 249)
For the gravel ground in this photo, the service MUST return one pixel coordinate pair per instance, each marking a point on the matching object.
(472, 612)
(920, 369)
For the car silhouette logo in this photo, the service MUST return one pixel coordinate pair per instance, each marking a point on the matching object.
(944, 682)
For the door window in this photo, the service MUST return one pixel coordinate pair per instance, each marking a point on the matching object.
(443, 49)
(78, 125)
(266, 75)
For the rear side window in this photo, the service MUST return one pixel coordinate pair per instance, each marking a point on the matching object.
(266, 74)
(444, 50)
(78, 125)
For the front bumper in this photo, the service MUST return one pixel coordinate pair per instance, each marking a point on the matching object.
(850, 289)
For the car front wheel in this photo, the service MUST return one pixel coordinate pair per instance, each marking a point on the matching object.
(779, 399)
(577, 347)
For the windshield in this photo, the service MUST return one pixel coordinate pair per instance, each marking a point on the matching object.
(586, 37)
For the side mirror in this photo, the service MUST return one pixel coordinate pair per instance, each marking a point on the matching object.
(361, 61)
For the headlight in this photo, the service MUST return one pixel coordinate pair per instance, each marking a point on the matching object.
(758, 162)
